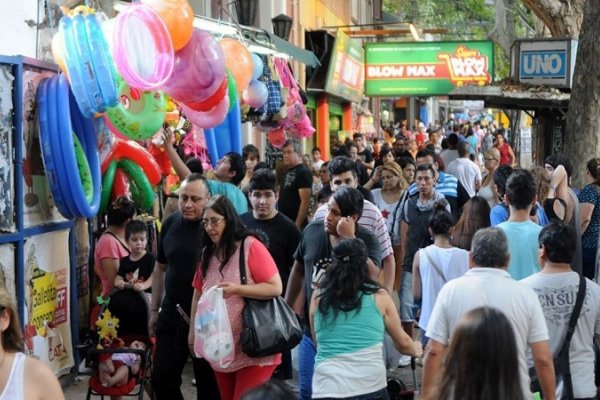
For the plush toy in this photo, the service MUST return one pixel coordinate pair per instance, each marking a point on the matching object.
(108, 328)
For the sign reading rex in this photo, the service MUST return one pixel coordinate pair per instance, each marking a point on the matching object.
(427, 68)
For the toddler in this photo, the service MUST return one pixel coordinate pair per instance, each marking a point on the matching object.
(136, 269)
(120, 367)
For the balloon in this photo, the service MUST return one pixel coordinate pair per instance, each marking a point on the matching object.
(238, 61)
(142, 47)
(178, 16)
(210, 103)
(277, 137)
(256, 94)
(334, 123)
(207, 119)
(231, 90)
(258, 66)
(199, 69)
(58, 51)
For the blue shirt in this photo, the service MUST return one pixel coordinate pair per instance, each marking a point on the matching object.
(522, 247)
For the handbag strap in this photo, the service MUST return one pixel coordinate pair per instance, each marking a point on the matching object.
(243, 277)
(575, 313)
(434, 265)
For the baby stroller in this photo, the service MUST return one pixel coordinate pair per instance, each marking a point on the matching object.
(123, 319)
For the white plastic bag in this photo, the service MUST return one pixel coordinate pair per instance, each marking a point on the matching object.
(213, 339)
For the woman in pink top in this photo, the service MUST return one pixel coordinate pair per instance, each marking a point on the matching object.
(111, 246)
(222, 235)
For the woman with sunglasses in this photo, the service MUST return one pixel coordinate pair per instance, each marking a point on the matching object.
(222, 236)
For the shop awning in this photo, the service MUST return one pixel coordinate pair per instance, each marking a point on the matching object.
(302, 55)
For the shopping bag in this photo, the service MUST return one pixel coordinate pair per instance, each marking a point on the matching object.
(213, 340)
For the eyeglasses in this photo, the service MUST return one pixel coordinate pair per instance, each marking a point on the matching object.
(489, 159)
(213, 222)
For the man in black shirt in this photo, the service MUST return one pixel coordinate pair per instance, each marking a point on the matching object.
(278, 233)
(178, 255)
(295, 187)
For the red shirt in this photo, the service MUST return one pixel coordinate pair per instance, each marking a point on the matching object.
(505, 158)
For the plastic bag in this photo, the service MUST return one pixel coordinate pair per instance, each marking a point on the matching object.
(213, 340)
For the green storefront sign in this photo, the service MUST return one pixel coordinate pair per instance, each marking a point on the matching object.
(345, 77)
(426, 68)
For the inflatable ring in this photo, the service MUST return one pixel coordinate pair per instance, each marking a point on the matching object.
(67, 118)
(103, 64)
(128, 149)
(121, 184)
(207, 119)
(213, 100)
(84, 170)
(108, 180)
(138, 178)
(52, 169)
(139, 114)
(138, 31)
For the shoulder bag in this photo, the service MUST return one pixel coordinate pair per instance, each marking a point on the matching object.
(434, 265)
(270, 326)
(562, 367)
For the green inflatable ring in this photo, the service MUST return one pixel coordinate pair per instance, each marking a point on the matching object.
(136, 176)
(85, 173)
(139, 114)
(231, 90)
(107, 183)
(136, 195)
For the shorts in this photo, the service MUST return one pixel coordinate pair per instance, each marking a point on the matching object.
(406, 298)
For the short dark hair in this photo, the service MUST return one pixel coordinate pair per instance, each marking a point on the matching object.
(250, 150)
(501, 175)
(314, 150)
(404, 161)
(520, 189)
(237, 164)
(135, 226)
(262, 179)
(260, 165)
(463, 149)
(489, 248)
(558, 159)
(340, 164)
(453, 139)
(425, 153)
(425, 167)
(120, 210)
(194, 165)
(357, 135)
(349, 200)
(324, 194)
(559, 241)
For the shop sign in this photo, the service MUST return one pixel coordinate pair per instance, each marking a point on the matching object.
(548, 62)
(426, 68)
(345, 77)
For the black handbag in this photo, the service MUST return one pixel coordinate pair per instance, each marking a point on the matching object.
(562, 367)
(270, 326)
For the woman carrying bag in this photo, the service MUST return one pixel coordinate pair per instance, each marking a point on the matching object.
(221, 238)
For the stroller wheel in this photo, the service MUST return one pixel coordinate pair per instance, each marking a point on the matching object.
(395, 387)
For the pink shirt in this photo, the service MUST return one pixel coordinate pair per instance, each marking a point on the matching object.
(107, 247)
(260, 267)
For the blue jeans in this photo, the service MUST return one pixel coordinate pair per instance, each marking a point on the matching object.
(306, 366)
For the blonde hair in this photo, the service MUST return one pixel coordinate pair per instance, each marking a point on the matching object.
(394, 168)
(492, 153)
(12, 336)
(542, 182)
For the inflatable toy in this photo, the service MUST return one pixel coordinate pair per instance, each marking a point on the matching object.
(178, 17)
(142, 47)
(84, 170)
(120, 185)
(231, 90)
(225, 137)
(199, 69)
(256, 94)
(89, 68)
(139, 114)
(207, 119)
(211, 102)
(108, 180)
(238, 61)
(138, 180)
(257, 66)
(128, 149)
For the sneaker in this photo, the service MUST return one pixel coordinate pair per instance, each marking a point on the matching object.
(404, 361)
(194, 382)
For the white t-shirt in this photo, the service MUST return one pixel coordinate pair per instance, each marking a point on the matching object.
(557, 294)
(495, 288)
(467, 172)
(391, 212)
(452, 262)
(448, 156)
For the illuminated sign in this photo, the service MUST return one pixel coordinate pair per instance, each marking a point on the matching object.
(345, 77)
(427, 68)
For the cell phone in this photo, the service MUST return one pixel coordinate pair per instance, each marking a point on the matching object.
(183, 314)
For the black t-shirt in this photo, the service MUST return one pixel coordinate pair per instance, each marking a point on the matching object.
(179, 249)
(144, 266)
(280, 236)
(366, 155)
(295, 178)
(314, 252)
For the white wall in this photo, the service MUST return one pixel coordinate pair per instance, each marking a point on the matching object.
(17, 37)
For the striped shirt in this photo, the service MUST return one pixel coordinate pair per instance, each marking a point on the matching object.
(372, 220)
(446, 184)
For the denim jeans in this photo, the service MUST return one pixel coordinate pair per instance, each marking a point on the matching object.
(306, 366)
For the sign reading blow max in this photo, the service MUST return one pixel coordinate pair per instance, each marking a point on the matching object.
(428, 68)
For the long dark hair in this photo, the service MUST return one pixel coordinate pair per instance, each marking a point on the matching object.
(234, 231)
(347, 278)
(475, 215)
(482, 359)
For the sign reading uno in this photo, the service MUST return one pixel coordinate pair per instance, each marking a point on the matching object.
(426, 68)
(544, 64)
(547, 62)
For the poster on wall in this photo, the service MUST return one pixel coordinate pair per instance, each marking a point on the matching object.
(7, 183)
(47, 312)
(426, 68)
(345, 77)
(38, 205)
(7, 269)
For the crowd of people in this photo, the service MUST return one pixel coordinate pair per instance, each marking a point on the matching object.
(468, 261)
